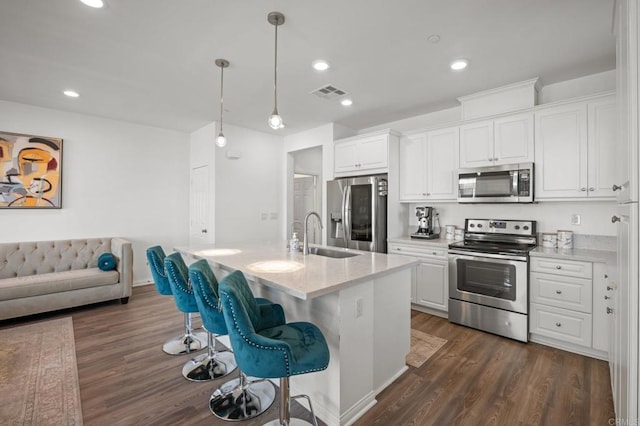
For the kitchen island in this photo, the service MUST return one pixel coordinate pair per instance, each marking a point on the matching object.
(361, 303)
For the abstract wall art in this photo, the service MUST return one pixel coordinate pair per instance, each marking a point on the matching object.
(30, 171)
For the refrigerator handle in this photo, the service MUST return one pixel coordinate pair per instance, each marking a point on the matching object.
(346, 215)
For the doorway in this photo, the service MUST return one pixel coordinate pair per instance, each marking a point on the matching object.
(306, 192)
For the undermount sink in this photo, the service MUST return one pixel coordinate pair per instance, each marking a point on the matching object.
(336, 254)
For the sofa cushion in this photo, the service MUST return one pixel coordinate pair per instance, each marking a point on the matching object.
(43, 257)
(35, 285)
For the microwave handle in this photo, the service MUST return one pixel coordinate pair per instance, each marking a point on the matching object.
(515, 179)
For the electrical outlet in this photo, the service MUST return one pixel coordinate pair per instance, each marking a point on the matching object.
(359, 303)
(273, 215)
(264, 216)
(575, 219)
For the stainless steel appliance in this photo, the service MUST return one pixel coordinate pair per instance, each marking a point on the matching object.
(427, 220)
(512, 183)
(357, 212)
(489, 276)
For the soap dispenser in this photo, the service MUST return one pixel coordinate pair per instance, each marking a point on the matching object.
(294, 243)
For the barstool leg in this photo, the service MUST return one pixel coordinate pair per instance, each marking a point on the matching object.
(188, 342)
(284, 418)
(242, 398)
(209, 366)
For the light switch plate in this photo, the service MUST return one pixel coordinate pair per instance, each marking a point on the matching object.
(575, 219)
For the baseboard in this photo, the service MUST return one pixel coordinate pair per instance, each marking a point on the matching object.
(431, 311)
(358, 409)
(141, 283)
(569, 347)
(391, 380)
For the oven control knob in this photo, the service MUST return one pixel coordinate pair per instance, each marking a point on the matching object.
(526, 228)
(472, 225)
(479, 225)
(517, 227)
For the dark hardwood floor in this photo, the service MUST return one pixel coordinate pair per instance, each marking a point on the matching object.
(476, 378)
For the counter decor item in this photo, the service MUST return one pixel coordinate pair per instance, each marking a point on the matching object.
(458, 234)
(565, 239)
(549, 240)
(450, 231)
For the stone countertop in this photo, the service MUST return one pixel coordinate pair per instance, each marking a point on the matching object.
(304, 277)
(586, 255)
(438, 242)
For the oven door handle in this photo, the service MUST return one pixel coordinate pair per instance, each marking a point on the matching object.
(483, 257)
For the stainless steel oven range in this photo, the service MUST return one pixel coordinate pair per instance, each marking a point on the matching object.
(489, 276)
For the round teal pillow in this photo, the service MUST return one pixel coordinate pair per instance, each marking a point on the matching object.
(107, 262)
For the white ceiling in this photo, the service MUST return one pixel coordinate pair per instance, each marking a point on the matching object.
(152, 61)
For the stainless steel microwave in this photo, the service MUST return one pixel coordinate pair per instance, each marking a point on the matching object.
(511, 183)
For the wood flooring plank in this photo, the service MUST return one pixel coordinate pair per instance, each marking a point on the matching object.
(476, 378)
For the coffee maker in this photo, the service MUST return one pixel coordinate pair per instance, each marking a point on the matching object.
(427, 220)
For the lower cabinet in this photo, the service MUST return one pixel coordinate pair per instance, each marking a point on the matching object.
(566, 310)
(430, 281)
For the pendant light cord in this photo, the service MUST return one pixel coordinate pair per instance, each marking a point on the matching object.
(221, 94)
(275, 75)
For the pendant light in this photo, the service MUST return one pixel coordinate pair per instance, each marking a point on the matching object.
(221, 141)
(275, 121)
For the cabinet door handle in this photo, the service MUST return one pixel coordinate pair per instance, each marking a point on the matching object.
(615, 219)
(616, 188)
(609, 310)
(583, 189)
(398, 249)
(609, 288)
(592, 189)
(558, 291)
(434, 253)
(558, 324)
(607, 298)
(558, 267)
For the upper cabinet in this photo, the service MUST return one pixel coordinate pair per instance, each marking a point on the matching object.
(575, 149)
(363, 154)
(429, 165)
(505, 140)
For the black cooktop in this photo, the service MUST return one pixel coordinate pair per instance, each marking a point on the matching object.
(493, 248)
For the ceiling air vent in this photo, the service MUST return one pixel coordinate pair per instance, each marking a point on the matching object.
(329, 92)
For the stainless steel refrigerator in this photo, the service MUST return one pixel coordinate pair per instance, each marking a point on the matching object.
(357, 213)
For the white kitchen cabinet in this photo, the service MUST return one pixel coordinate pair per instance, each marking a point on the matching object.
(574, 150)
(363, 154)
(429, 165)
(567, 305)
(505, 140)
(430, 283)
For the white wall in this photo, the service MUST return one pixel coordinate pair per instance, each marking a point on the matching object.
(118, 179)
(249, 187)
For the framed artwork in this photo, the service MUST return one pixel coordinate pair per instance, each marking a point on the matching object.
(30, 171)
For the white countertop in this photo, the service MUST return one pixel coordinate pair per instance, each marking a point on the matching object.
(586, 255)
(304, 277)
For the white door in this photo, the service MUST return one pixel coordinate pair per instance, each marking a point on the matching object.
(513, 139)
(442, 164)
(413, 168)
(561, 152)
(304, 201)
(200, 230)
(431, 285)
(602, 148)
(476, 144)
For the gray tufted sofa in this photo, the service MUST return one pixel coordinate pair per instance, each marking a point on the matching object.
(44, 276)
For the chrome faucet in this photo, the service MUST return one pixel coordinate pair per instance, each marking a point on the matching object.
(305, 245)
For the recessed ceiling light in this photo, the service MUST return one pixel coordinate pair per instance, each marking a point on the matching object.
(459, 64)
(434, 38)
(93, 3)
(71, 93)
(346, 102)
(320, 65)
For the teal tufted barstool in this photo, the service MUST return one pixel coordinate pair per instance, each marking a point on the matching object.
(213, 364)
(266, 346)
(178, 277)
(185, 343)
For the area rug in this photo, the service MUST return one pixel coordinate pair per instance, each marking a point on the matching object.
(423, 346)
(38, 375)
